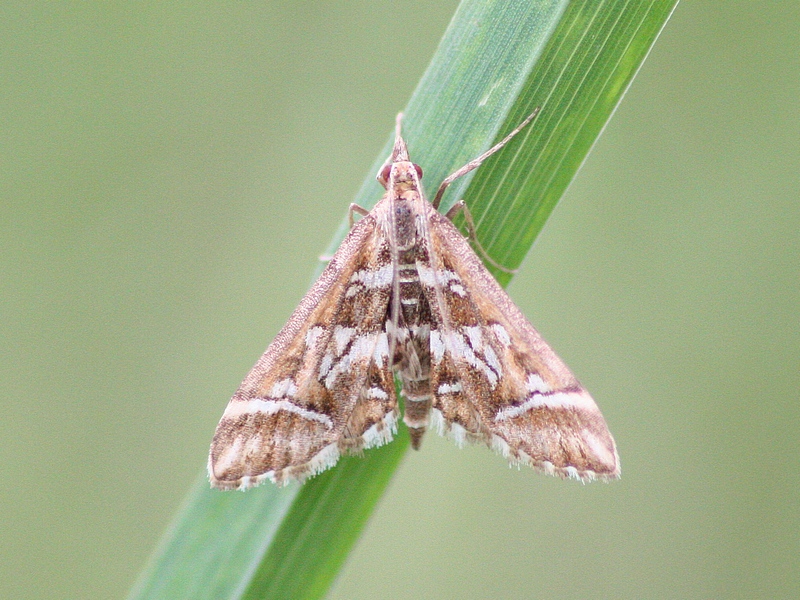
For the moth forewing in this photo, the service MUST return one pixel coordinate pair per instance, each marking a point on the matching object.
(532, 408)
(323, 386)
(406, 295)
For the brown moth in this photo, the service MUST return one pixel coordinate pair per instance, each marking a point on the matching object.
(406, 295)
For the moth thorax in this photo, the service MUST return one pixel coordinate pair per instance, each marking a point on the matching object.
(405, 228)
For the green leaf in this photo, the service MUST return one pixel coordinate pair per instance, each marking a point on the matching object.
(498, 60)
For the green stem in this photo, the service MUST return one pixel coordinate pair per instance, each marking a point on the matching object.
(498, 60)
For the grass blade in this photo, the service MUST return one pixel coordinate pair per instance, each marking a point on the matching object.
(497, 61)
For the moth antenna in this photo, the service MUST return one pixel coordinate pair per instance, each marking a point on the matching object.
(475, 163)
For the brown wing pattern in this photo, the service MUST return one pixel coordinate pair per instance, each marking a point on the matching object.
(324, 386)
(495, 379)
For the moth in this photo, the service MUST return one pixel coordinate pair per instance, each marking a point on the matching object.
(405, 295)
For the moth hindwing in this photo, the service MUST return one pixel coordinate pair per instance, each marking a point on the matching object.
(406, 295)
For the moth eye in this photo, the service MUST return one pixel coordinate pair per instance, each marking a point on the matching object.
(384, 174)
(418, 169)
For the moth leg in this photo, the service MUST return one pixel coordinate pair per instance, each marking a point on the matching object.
(461, 207)
(355, 208)
(475, 163)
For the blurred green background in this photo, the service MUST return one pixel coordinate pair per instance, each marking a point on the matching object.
(169, 174)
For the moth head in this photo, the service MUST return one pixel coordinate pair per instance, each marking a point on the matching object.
(402, 173)
(398, 157)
